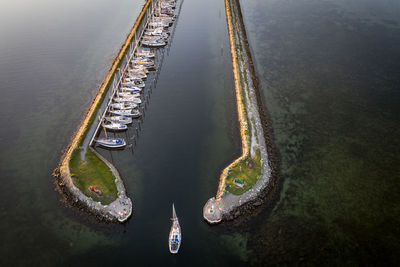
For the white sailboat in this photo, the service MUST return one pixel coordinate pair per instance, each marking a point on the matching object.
(174, 240)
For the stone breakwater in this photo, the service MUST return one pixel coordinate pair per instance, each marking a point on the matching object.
(227, 205)
(121, 208)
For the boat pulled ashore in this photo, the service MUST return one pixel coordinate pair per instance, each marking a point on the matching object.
(175, 239)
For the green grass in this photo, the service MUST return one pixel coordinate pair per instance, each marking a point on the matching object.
(93, 172)
(248, 170)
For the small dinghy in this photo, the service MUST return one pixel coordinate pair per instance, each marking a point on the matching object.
(175, 233)
(109, 142)
(114, 126)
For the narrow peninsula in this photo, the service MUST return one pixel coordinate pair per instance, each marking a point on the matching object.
(246, 178)
(84, 175)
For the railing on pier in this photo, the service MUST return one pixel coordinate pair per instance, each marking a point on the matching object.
(135, 44)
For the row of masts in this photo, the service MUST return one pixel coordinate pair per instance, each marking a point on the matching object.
(125, 98)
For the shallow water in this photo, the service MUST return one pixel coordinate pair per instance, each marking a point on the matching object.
(329, 76)
(329, 79)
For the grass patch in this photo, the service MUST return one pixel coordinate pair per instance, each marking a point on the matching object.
(93, 172)
(248, 171)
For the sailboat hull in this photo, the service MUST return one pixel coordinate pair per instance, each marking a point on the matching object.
(175, 235)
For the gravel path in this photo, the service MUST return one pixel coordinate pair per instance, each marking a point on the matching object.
(229, 202)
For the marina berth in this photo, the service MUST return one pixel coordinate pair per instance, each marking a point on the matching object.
(155, 43)
(119, 119)
(128, 94)
(157, 32)
(126, 112)
(135, 76)
(133, 67)
(145, 52)
(134, 83)
(109, 142)
(114, 126)
(123, 105)
(120, 93)
(127, 100)
(131, 89)
(159, 24)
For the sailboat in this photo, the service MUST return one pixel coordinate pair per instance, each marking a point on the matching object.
(175, 233)
(109, 142)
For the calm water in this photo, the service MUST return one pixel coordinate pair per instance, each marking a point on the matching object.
(330, 78)
(329, 73)
(51, 64)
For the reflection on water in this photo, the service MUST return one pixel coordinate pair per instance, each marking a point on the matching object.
(49, 70)
(329, 73)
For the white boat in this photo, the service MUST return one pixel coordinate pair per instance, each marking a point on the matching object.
(143, 59)
(128, 94)
(175, 239)
(145, 63)
(166, 20)
(123, 105)
(157, 33)
(134, 83)
(119, 119)
(135, 76)
(126, 112)
(127, 100)
(154, 31)
(137, 68)
(109, 142)
(114, 126)
(156, 24)
(145, 52)
(133, 89)
(155, 43)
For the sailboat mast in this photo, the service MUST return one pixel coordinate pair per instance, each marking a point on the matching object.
(102, 124)
(173, 211)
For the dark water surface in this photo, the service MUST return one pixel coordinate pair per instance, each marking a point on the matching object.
(330, 76)
(52, 61)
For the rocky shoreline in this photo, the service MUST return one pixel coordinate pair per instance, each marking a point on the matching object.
(230, 206)
(117, 211)
(121, 208)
